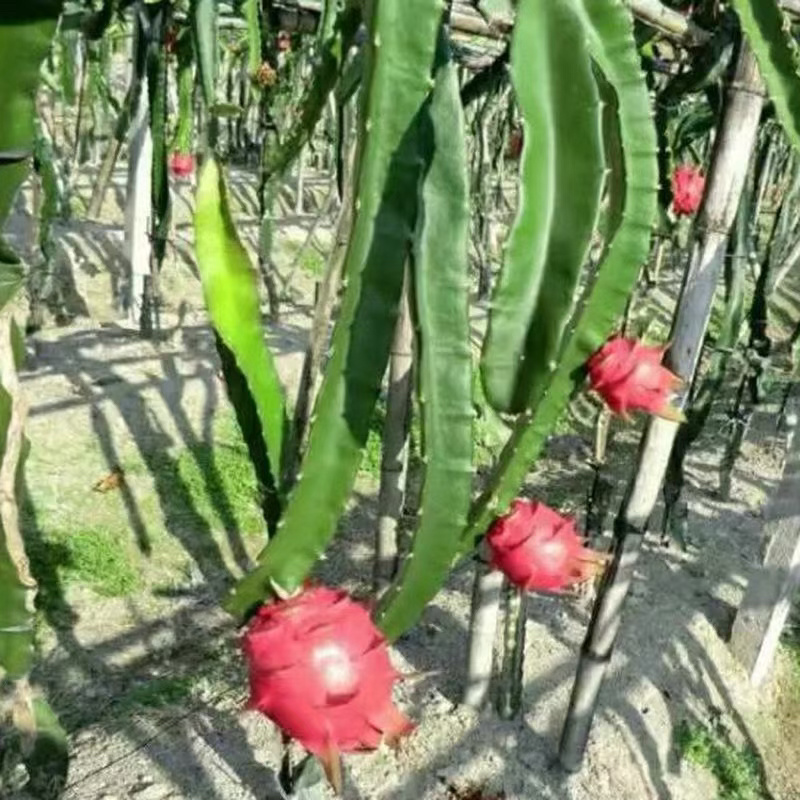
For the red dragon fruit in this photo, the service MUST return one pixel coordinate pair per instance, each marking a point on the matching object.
(629, 376)
(320, 670)
(688, 184)
(181, 165)
(539, 550)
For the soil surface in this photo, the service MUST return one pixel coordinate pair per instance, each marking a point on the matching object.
(143, 667)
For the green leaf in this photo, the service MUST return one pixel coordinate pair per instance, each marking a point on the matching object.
(11, 277)
(252, 15)
(441, 293)
(18, 344)
(768, 32)
(26, 30)
(182, 142)
(609, 37)
(230, 287)
(397, 85)
(561, 181)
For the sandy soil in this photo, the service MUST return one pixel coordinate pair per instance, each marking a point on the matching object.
(99, 396)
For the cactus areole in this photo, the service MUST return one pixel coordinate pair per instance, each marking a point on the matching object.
(538, 549)
(629, 376)
(688, 184)
(320, 670)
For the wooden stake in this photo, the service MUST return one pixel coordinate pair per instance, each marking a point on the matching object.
(768, 599)
(732, 151)
(394, 462)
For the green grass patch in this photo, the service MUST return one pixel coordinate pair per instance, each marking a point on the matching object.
(220, 477)
(97, 557)
(738, 771)
(156, 693)
(209, 484)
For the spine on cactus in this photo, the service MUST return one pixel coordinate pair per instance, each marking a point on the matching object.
(230, 287)
(401, 45)
(561, 180)
(29, 733)
(608, 33)
(440, 283)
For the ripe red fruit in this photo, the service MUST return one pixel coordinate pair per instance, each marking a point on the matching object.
(181, 164)
(539, 550)
(320, 670)
(629, 376)
(688, 184)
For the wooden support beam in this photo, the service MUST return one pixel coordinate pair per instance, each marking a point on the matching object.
(465, 19)
(670, 22)
(767, 602)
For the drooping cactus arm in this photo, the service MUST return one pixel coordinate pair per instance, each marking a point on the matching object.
(441, 293)
(230, 286)
(397, 83)
(608, 29)
(778, 57)
(561, 178)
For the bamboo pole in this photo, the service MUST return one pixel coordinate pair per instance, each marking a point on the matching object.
(486, 594)
(732, 151)
(138, 212)
(394, 461)
(328, 290)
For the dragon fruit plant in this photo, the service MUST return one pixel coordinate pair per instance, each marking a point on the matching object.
(411, 207)
(587, 160)
(588, 145)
